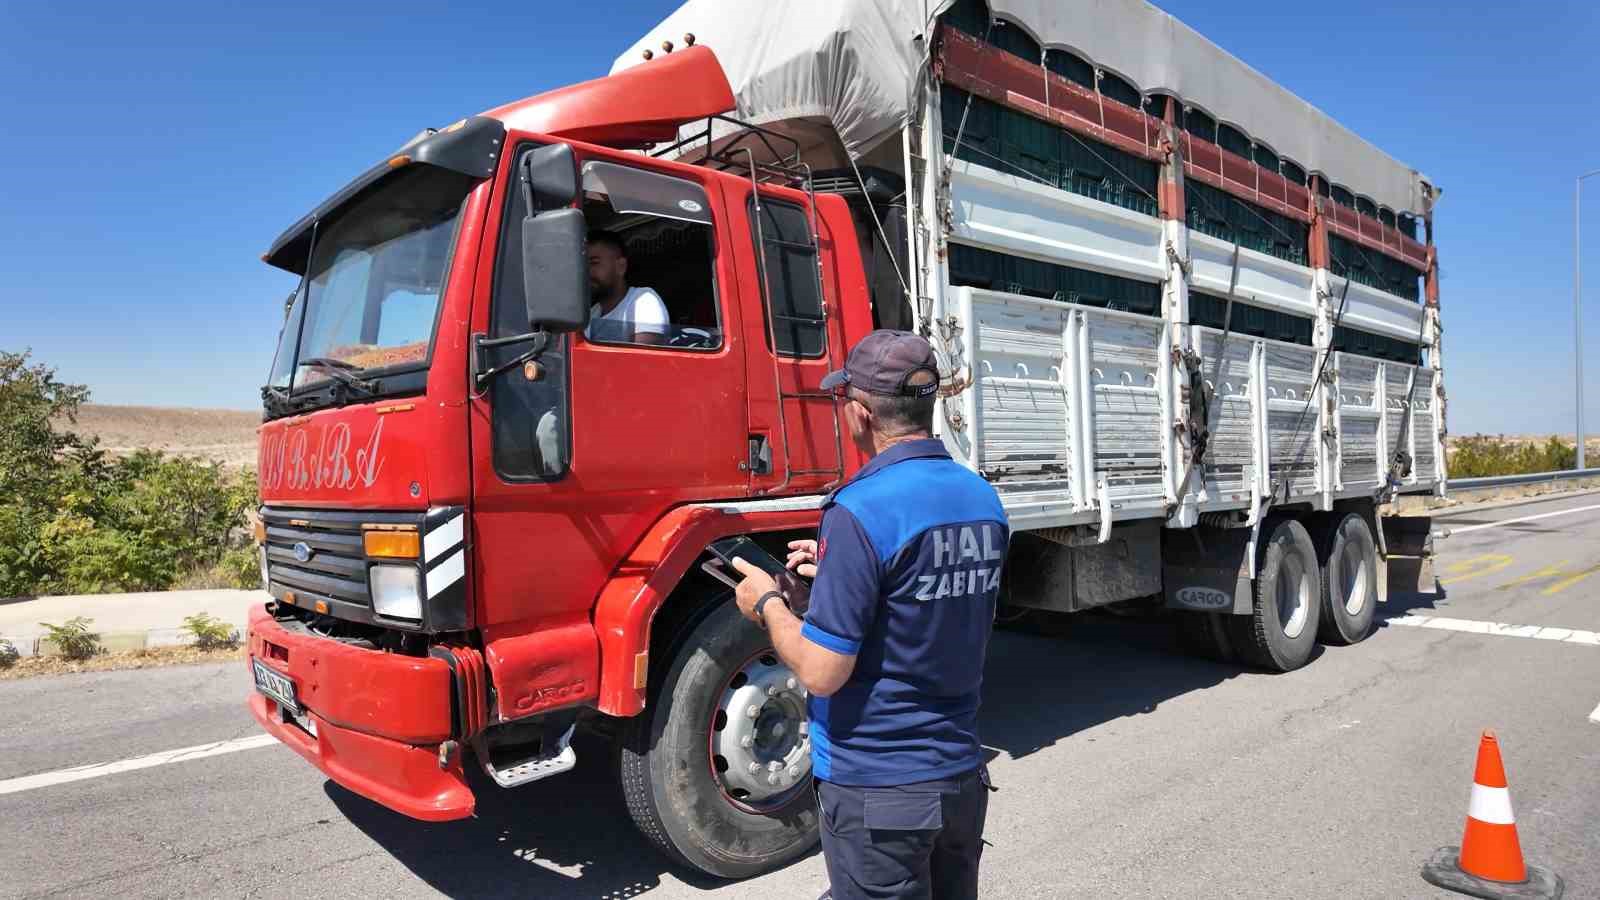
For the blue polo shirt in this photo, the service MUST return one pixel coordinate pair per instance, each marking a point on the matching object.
(909, 558)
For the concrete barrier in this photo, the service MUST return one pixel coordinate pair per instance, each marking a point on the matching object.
(123, 621)
(1413, 504)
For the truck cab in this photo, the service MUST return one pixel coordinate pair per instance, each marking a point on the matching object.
(482, 514)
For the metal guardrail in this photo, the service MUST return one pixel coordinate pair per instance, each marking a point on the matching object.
(1473, 484)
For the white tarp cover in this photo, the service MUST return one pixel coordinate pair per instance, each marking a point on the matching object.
(853, 62)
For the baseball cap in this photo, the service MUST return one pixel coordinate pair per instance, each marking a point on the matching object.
(884, 363)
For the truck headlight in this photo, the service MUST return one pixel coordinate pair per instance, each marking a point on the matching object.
(396, 591)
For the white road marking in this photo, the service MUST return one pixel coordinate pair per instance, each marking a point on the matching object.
(1595, 716)
(98, 770)
(1559, 512)
(1500, 629)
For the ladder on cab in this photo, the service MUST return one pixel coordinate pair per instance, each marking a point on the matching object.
(794, 171)
(787, 169)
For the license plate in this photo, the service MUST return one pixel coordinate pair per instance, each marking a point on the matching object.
(275, 686)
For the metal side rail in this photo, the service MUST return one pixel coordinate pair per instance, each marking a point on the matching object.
(1473, 484)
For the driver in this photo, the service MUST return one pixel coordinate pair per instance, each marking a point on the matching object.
(621, 314)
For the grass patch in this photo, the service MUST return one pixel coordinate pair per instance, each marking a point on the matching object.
(36, 666)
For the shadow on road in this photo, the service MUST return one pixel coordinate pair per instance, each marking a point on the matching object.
(571, 836)
(1039, 690)
(1406, 603)
(566, 837)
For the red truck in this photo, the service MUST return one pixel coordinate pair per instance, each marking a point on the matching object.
(482, 529)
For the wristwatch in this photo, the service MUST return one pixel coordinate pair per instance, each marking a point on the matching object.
(762, 602)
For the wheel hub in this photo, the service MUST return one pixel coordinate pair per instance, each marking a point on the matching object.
(1293, 597)
(1352, 579)
(760, 745)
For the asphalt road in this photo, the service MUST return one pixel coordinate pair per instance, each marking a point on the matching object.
(1126, 769)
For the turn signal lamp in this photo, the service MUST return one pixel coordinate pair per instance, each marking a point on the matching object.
(392, 544)
(396, 162)
(258, 529)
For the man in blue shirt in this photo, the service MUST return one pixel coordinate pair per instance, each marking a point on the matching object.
(907, 567)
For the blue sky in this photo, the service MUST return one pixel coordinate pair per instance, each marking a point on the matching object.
(154, 150)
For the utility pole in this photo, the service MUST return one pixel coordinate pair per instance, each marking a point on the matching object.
(1577, 301)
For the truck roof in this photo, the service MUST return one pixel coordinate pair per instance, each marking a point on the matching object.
(854, 64)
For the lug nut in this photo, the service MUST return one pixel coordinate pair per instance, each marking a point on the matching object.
(754, 767)
(746, 741)
(772, 690)
(793, 684)
(753, 711)
(772, 779)
(774, 766)
(794, 771)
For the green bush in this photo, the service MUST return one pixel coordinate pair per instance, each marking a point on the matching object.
(1481, 456)
(210, 632)
(238, 567)
(73, 638)
(8, 654)
(75, 520)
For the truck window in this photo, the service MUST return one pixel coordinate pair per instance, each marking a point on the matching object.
(395, 241)
(788, 259)
(664, 278)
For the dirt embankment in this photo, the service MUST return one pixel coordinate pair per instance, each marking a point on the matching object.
(225, 435)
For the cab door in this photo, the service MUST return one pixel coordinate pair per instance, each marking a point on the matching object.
(572, 468)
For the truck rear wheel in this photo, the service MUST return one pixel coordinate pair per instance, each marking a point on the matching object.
(1349, 559)
(717, 770)
(1281, 633)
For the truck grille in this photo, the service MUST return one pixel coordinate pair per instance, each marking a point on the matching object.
(319, 555)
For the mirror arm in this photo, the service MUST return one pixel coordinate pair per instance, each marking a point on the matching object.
(482, 374)
(525, 176)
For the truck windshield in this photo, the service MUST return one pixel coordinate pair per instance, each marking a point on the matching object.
(370, 300)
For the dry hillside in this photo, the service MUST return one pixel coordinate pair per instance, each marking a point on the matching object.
(229, 435)
(226, 435)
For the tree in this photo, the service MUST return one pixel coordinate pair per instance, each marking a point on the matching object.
(32, 477)
(74, 520)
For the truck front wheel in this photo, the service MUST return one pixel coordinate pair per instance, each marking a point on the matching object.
(717, 770)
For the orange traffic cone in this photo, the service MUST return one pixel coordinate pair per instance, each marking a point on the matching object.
(1489, 861)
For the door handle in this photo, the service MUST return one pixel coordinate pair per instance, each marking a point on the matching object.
(758, 457)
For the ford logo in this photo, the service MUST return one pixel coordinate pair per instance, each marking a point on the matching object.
(1203, 598)
(303, 551)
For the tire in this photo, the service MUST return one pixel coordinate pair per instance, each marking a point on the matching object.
(666, 762)
(1348, 557)
(1281, 633)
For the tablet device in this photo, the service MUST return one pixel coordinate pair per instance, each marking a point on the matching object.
(741, 547)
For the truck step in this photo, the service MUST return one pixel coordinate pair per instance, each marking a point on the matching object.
(534, 768)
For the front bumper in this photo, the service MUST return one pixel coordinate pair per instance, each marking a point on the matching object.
(379, 718)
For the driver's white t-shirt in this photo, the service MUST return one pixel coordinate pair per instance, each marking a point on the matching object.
(641, 310)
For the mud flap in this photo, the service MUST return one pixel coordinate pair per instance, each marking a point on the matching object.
(1207, 570)
(1405, 560)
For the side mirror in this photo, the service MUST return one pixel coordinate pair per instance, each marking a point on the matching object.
(555, 270)
(552, 174)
